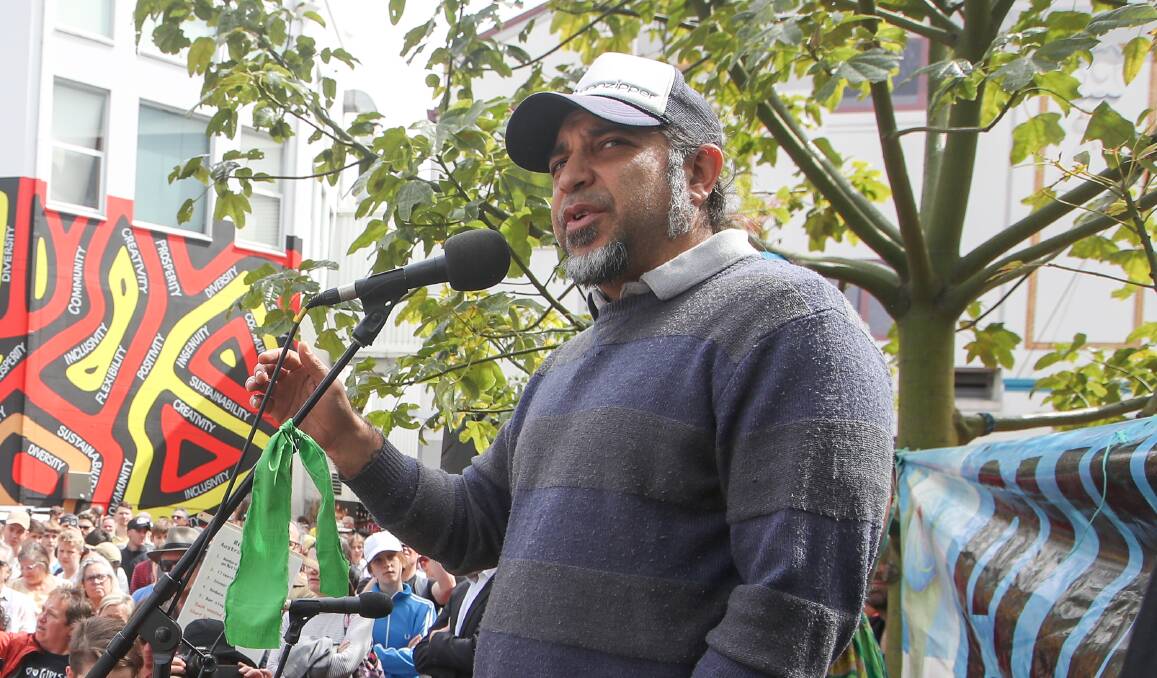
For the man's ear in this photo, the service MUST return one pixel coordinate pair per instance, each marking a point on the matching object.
(703, 173)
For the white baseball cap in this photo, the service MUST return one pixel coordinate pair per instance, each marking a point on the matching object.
(622, 88)
(379, 542)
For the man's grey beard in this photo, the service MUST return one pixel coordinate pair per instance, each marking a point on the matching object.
(611, 260)
(606, 263)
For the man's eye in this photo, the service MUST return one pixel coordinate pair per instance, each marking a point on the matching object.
(611, 143)
(556, 166)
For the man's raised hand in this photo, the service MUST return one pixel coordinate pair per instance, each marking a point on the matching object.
(347, 438)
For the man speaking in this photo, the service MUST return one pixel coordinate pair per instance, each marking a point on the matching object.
(696, 484)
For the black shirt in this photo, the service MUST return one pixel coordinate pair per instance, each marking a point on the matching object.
(42, 665)
(130, 557)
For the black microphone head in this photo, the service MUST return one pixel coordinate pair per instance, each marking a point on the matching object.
(375, 605)
(476, 259)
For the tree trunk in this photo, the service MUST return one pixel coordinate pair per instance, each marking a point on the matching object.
(927, 406)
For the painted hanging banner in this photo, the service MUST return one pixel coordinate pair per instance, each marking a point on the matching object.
(1019, 558)
(122, 356)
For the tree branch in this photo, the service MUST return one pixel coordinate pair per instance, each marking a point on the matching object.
(1023, 229)
(1012, 100)
(880, 281)
(898, 20)
(940, 18)
(488, 359)
(263, 177)
(845, 199)
(973, 426)
(874, 216)
(954, 183)
(975, 284)
(591, 24)
(1138, 220)
(924, 279)
(1003, 298)
(1000, 10)
(1095, 274)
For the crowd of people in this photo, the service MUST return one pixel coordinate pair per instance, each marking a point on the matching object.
(69, 582)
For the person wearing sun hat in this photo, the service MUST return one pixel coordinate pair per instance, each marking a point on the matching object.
(712, 455)
(177, 541)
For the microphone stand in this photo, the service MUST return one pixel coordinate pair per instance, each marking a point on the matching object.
(148, 620)
(292, 635)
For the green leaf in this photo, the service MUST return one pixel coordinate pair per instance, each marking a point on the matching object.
(396, 9)
(993, 346)
(1036, 133)
(1062, 88)
(1109, 127)
(200, 55)
(1122, 17)
(947, 69)
(185, 213)
(1094, 247)
(416, 35)
(829, 152)
(1043, 197)
(1135, 51)
(1052, 53)
(314, 17)
(1015, 74)
(413, 193)
(372, 233)
(875, 65)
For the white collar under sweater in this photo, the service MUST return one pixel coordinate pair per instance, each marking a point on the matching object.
(688, 269)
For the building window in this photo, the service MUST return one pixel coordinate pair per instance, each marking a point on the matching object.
(164, 140)
(78, 145)
(94, 17)
(263, 226)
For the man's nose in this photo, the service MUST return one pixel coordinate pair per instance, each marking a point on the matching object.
(575, 173)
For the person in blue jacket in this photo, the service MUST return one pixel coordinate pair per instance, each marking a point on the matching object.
(396, 635)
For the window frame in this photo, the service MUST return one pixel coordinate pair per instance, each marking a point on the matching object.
(265, 190)
(109, 40)
(102, 188)
(210, 202)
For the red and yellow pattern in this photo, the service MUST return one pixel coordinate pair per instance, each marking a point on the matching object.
(123, 355)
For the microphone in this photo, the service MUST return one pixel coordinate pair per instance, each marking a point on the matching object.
(371, 605)
(473, 260)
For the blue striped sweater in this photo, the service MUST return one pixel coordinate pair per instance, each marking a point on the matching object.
(692, 486)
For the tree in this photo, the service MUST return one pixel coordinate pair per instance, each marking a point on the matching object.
(422, 183)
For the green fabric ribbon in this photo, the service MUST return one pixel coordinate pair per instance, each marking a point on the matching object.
(255, 598)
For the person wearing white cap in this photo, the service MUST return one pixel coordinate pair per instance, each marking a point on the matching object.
(12, 536)
(396, 634)
(696, 483)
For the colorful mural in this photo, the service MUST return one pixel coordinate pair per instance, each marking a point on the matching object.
(122, 356)
(1028, 557)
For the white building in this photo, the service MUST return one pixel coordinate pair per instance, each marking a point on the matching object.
(121, 362)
